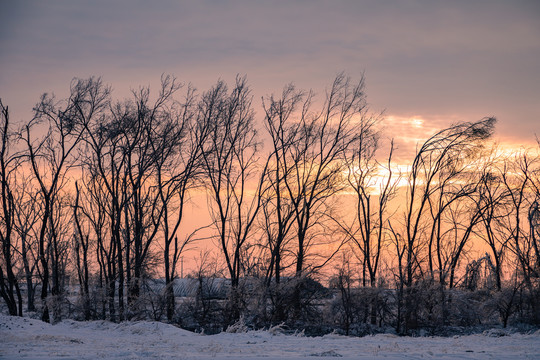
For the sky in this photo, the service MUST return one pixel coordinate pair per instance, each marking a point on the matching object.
(427, 64)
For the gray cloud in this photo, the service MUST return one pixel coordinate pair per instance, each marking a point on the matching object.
(435, 59)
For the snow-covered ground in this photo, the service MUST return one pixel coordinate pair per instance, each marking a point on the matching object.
(24, 338)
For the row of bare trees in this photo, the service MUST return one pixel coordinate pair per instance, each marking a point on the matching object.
(94, 193)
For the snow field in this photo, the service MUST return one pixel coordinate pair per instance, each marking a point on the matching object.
(25, 338)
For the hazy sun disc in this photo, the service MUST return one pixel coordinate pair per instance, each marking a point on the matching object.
(417, 123)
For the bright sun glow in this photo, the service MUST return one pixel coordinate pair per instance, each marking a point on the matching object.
(379, 180)
(417, 123)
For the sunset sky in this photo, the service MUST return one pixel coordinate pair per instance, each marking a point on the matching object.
(427, 63)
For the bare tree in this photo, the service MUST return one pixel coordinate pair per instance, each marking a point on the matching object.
(493, 196)
(151, 135)
(368, 226)
(534, 210)
(367, 231)
(177, 146)
(438, 165)
(52, 156)
(400, 245)
(230, 165)
(306, 168)
(278, 219)
(515, 177)
(81, 248)
(9, 286)
(98, 190)
(438, 162)
(234, 177)
(316, 160)
(95, 222)
(27, 215)
(103, 165)
(519, 175)
(308, 158)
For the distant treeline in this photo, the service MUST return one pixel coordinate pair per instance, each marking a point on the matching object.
(94, 193)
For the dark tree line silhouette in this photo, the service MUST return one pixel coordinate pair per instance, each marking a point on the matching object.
(94, 192)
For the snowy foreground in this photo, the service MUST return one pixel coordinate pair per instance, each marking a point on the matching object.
(24, 338)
